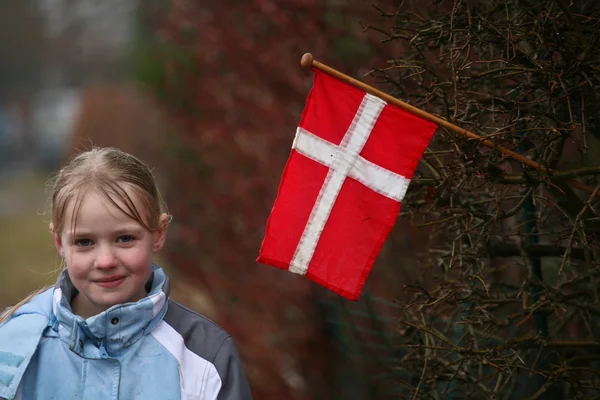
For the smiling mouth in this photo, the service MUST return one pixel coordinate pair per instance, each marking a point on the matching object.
(111, 282)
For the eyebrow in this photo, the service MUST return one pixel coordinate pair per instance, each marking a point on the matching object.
(120, 231)
(135, 231)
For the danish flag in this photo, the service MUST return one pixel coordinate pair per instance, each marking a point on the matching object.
(350, 165)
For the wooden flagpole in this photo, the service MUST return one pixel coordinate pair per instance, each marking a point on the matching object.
(308, 61)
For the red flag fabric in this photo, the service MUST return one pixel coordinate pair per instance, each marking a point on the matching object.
(350, 165)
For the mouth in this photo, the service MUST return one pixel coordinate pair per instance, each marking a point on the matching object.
(110, 282)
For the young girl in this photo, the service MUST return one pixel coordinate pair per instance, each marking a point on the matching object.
(107, 329)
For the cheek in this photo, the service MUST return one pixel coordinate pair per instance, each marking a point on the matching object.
(78, 270)
(76, 264)
(138, 259)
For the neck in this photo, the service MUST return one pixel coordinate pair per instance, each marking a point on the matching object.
(84, 308)
(81, 306)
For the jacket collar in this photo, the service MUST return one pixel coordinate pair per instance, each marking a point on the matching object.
(109, 333)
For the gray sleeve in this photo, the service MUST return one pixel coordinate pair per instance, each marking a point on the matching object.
(234, 383)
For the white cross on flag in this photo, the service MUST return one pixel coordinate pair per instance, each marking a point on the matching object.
(340, 193)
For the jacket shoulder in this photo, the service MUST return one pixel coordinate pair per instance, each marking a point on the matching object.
(200, 335)
(40, 304)
(20, 335)
(210, 342)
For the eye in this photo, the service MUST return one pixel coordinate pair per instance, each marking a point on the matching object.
(83, 242)
(125, 239)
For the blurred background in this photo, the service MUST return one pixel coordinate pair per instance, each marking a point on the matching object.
(486, 288)
(467, 298)
(209, 94)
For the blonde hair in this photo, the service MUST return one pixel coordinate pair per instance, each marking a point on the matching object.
(108, 172)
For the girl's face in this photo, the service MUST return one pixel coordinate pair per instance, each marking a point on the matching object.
(109, 255)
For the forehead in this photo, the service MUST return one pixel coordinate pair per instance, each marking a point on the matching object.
(95, 209)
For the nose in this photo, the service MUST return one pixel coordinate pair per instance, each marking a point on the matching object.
(106, 258)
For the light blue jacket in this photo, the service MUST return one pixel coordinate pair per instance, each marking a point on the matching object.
(152, 349)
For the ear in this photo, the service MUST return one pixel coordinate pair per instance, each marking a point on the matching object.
(160, 234)
(57, 240)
